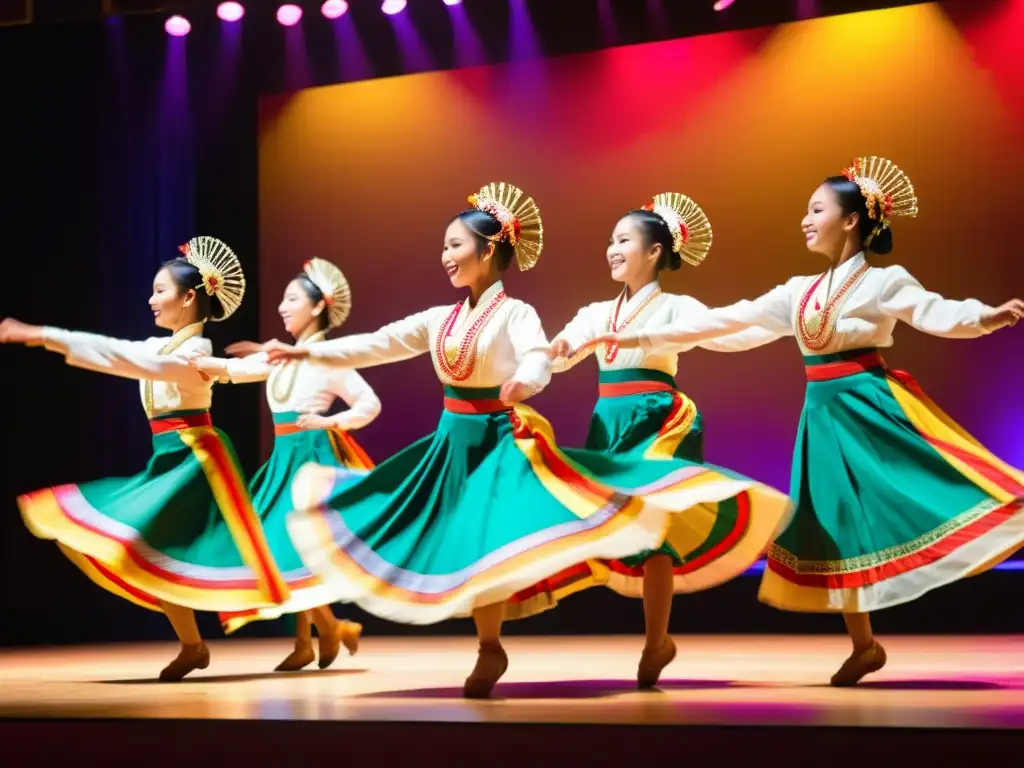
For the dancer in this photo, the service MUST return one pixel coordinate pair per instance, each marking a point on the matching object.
(299, 394)
(148, 538)
(641, 413)
(487, 506)
(893, 497)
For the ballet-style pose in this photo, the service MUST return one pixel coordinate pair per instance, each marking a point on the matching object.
(299, 395)
(893, 497)
(182, 534)
(472, 519)
(639, 412)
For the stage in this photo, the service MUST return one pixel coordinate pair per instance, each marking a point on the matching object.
(563, 697)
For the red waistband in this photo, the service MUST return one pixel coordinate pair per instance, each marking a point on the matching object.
(287, 429)
(623, 388)
(843, 368)
(173, 424)
(475, 406)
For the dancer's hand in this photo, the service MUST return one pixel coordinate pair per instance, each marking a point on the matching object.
(207, 367)
(313, 421)
(243, 348)
(513, 391)
(560, 348)
(279, 352)
(16, 332)
(1008, 314)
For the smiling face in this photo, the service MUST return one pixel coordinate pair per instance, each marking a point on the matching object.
(300, 313)
(461, 260)
(631, 257)
(172, 307)
(826, 228)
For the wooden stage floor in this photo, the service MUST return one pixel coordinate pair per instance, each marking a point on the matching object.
(960, 683)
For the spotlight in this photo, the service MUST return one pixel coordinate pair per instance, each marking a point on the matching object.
(391, 7)
(230, 11)
(452, 2)
(721, 5)
(177, 26)
(289, 15)
(333, 9)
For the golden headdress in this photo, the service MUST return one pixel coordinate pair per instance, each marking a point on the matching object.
(330, 281)
(886, 189)
(222, 274)
(690, 228)
(519, 216)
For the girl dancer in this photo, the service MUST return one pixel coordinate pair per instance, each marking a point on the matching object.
(488, 505)
(640, 413)
(299, 394)
(148, 538)
(893, 497)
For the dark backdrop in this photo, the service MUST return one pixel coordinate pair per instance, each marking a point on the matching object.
(121, 143)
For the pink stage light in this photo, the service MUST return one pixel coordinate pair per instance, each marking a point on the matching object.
(721, 5)
(177, 26)
(334, 9)
(230, 11)
(289, 15)
(391, 7)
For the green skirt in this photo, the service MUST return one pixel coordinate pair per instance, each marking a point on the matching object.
(270, 489)
(893, 498)
(486, 509)
(641, 415)
(182, 531)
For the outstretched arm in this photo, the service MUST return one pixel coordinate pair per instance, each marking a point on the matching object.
(397, 341)
(904, 298)
(741, 341)
(236, 370)
(102, 354)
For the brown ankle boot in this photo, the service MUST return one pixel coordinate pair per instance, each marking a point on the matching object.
(859, 664)
(192, 656)
(653, 661)
(344, 633)
(301, 656)
(491, 664)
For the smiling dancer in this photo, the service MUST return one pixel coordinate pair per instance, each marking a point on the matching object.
(299, 395)
(640, 413)
(893, 497)
(158, 539)
(488, 505)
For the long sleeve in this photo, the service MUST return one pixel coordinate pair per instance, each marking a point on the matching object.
(117, 357)
(904, 298)
(243, 370)
(771, 312)
(363, 403)
(530, 345)
(396, 341)
(734, 342)
(577, 332)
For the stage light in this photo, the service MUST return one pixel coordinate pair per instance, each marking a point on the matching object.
(230, 11)
(177, 26)
(289, 15)
(452, 2)
(721, 5)
(333, 9)
(391, 7)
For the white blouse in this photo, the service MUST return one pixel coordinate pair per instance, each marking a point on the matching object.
(856, 306)
(647, 308)
(305, 388)
(167, 381)
(485, 346)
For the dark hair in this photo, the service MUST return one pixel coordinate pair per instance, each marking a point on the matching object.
(186, 277)
(484, 227)
(655, 230)
(852, 200)
(315, 295)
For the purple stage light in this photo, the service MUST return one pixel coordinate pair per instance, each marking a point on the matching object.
(289, 15)
(391, 7)
(177, 26)
(334, 9)
(452, 2)
(230, 11)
